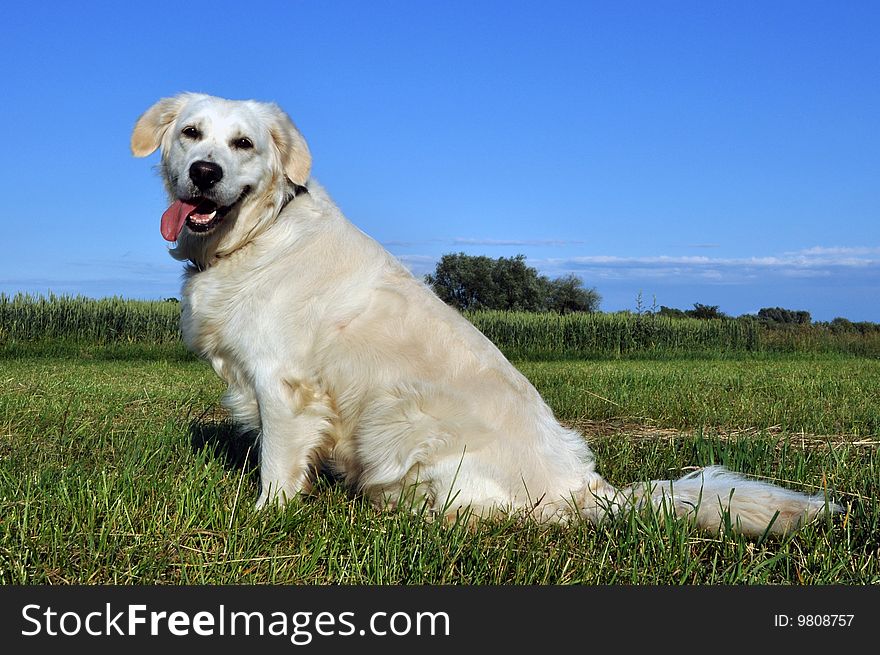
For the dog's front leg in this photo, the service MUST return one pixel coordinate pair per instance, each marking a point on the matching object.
(294, 424)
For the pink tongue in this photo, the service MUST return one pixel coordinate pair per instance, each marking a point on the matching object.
(173, 218)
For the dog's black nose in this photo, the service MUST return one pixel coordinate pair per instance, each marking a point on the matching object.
(205, 174)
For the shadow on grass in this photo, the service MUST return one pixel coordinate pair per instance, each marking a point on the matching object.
(236, 449)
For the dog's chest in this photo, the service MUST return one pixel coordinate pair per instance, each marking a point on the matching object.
(220, 314)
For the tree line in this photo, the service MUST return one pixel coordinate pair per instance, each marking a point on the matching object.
(475, 282)
(769, 315)
(776, 318)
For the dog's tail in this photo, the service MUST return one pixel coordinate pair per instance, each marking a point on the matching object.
(716, 498)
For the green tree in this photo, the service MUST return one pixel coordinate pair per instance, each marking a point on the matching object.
(705, 311)
(672, 312)
(784, 316)
(567, 294)
(842, 325)
(517, 286)
(480, 282)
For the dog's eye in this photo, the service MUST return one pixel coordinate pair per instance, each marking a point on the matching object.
(243, 143)
(191, 132)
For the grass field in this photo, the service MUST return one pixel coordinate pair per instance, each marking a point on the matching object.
(118, 466)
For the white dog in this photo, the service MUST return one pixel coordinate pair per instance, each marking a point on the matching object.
(341, 358)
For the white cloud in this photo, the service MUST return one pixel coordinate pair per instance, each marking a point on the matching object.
(461, 241)
(805, 273)
(814, 258)
(838, 250)
(815, 262)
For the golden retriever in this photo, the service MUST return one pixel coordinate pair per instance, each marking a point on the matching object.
(341, 358)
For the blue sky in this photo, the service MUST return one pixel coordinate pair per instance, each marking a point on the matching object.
(723, 153)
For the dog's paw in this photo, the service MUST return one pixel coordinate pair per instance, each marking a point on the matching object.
(273, 498)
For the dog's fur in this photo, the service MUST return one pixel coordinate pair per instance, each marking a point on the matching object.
(341, 358)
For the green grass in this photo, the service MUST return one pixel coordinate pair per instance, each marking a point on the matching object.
(822, 394)
(117, 466)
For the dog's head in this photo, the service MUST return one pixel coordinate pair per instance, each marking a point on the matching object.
(228, 166)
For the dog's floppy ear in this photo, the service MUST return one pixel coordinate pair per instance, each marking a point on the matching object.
(292, 148)
(152, 125)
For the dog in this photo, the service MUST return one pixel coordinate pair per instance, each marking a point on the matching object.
(342, 359)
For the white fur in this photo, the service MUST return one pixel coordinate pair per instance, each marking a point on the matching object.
(342, 358)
